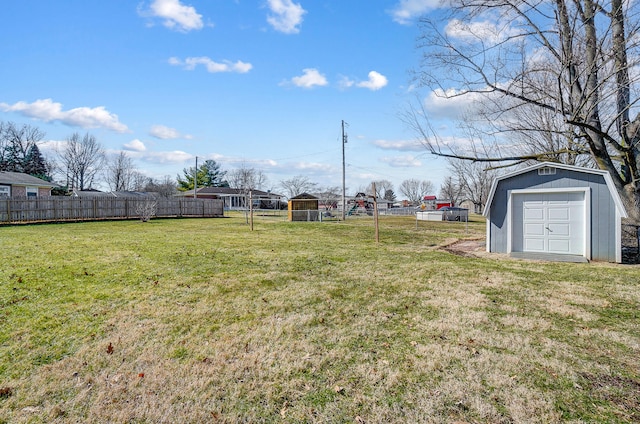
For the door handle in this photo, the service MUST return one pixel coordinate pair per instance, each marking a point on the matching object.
(549, 229)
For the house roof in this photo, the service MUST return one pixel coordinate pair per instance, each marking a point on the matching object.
(98, 193)
(227, 191)
(135, 194)
(90, 193)
(20, 178)
(605, 174)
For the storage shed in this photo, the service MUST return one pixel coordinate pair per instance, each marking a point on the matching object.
(557, 212)
(303, 207)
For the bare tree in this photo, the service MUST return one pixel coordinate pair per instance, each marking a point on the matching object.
(165, 187)
(247, 178)
(415, 190)
(474, 181)
(574, 63)
(15, 144)
(450, 189)
(120, 172)
(81, 160)
(297, 185)
(139, 181)
(146, 208)
(382, 186)
(329, 196)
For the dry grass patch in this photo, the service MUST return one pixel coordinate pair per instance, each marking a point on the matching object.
(205, 321)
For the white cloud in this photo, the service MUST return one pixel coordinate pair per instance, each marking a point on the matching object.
(313, 167)
(408, 10)
(481, 31)
(176, 15)
(345, 83)
(450, 103)
(376, 81)
(84, 117)
(190, 64)
(406, 161)
(51, 146)
(135, 146)
(176, 156)
(166, 133)
(309, 79)
(401, 145)
(286, 16)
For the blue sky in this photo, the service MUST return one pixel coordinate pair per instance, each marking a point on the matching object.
(260, 83)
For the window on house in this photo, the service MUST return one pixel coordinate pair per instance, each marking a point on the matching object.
(32, 191)
(5, 191)
(547, 171)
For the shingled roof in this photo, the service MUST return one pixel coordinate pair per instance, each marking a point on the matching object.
(20, 178)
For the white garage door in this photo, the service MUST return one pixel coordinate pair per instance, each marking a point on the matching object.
(549, 223)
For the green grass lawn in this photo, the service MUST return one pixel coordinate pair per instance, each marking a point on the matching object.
(207, 321)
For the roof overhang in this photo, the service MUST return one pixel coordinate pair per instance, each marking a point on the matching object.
(605, 174)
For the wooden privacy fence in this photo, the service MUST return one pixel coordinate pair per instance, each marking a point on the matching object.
(14, 210)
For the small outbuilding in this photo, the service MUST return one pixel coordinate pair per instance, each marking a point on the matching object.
(303, 207)
(557, 212)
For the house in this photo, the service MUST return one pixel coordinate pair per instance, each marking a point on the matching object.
(19, 184)
(432, 203)
(468, 204)
(555, 211)
(126, 194)
(237, 198)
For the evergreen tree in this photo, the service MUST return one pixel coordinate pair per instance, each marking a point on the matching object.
(214, 175)
(35, 164)
(15, 143)
(209, 175)
(14, 160)
(389, 195)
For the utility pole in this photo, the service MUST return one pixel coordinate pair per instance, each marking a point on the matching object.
(344, 141)
(195, 181)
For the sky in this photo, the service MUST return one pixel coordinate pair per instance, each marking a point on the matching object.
(256, 83)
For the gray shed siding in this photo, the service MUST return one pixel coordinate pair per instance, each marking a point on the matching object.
(603, 212)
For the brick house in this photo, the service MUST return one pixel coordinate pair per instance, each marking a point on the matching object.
(19, 184)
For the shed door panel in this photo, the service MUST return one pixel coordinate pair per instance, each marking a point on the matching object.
(549, 223)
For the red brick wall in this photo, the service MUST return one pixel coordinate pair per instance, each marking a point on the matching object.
(18, 191)
(21, 191)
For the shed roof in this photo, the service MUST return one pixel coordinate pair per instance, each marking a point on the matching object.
(605, 174)
(20, 178)
(304, 196)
